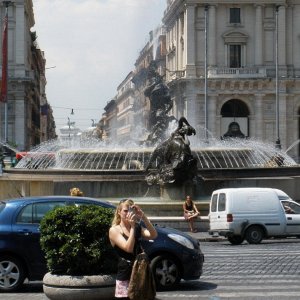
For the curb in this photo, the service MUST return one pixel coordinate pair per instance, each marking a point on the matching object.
(205, 237)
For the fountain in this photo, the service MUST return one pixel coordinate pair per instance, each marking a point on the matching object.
(116, 171)
(162, 167)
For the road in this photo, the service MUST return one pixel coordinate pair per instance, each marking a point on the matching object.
(270, 270)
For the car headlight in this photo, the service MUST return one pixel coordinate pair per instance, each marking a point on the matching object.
(181, 240)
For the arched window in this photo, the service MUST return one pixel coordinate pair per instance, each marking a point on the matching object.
(234, 108)
(234, 111)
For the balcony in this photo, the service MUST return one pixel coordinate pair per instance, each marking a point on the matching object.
(173, 75)
(237, 72)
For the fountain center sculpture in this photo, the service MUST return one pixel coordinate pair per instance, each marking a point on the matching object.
(175, 161)
(176, 164)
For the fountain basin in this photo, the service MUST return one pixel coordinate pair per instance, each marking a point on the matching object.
(131, 183)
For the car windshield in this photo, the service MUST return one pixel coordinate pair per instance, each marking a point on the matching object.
(2, 205)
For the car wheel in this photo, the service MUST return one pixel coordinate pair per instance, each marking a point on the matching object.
(235, 239)
(254, 235)
(166, 272)
(12, 274)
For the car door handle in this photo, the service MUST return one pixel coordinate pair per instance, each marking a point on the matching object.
(290, 218)
(25, 232)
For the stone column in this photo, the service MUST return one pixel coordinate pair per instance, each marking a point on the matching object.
(191, 106)
(20, 40)
(189, 33)
(259, 116)
(19, 121)
(283, 119)
(289, 38)
(281, 36)
(212, 108)
(179, 51)
(258, 35)
(296, 37)
(211, 36)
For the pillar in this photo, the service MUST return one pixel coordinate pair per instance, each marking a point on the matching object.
(212, 108)
(189, 33)
(259, 124)
(211, 36)
(282, 35)
(258, 36)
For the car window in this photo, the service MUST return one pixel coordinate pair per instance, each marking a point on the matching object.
(34, 212)
(295, 208)
(222, 202)
(283, 197)
(2, 205)
(82, 203)
(290, 207)
(213, 206)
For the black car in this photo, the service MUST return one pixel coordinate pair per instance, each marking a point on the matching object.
(174, 255)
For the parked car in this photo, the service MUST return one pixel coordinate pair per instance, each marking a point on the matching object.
(253, 214)
(174, 255)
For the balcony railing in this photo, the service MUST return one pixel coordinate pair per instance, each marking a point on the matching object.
(237, 72)
(173, 75)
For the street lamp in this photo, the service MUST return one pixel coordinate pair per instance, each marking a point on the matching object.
(205, 75)
(277, 143)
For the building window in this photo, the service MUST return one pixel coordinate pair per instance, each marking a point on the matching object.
(235, 15)
(235, 58)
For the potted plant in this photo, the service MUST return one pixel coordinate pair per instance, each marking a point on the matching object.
(79, 257)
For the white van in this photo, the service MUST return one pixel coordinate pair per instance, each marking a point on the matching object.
(253, 214)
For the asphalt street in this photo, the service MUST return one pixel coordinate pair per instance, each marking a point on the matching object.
(267, 271)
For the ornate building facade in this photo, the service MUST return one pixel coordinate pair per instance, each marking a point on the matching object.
(29, 118)
(236, 61)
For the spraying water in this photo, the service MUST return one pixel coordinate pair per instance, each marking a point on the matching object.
(94, 154)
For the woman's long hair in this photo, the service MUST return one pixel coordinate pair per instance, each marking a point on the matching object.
(117, 219)
(186, 202)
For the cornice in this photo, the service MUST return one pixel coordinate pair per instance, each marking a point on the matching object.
(261, 2)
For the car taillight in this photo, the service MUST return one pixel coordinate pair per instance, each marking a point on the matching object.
(229, 218)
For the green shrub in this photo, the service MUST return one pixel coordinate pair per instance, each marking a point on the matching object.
(75, 241)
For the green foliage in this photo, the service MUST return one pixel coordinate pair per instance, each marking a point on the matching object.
(75, 240)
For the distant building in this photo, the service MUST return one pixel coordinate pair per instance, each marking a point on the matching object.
(125, 115)
(155, 49)
(109, 121)
(69, 132)
(26, 81)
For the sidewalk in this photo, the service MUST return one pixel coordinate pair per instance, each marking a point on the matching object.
(204, 236)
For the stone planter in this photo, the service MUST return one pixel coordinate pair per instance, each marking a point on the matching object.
(63, 287)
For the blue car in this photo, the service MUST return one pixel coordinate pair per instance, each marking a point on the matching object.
(174, 255)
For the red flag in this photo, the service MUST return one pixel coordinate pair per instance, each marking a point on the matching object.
(3, 95)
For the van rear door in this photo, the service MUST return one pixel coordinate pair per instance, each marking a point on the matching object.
(217, 214)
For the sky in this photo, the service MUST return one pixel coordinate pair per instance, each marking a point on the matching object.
(90, 47)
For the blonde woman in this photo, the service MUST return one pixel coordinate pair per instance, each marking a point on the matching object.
(124, 234)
